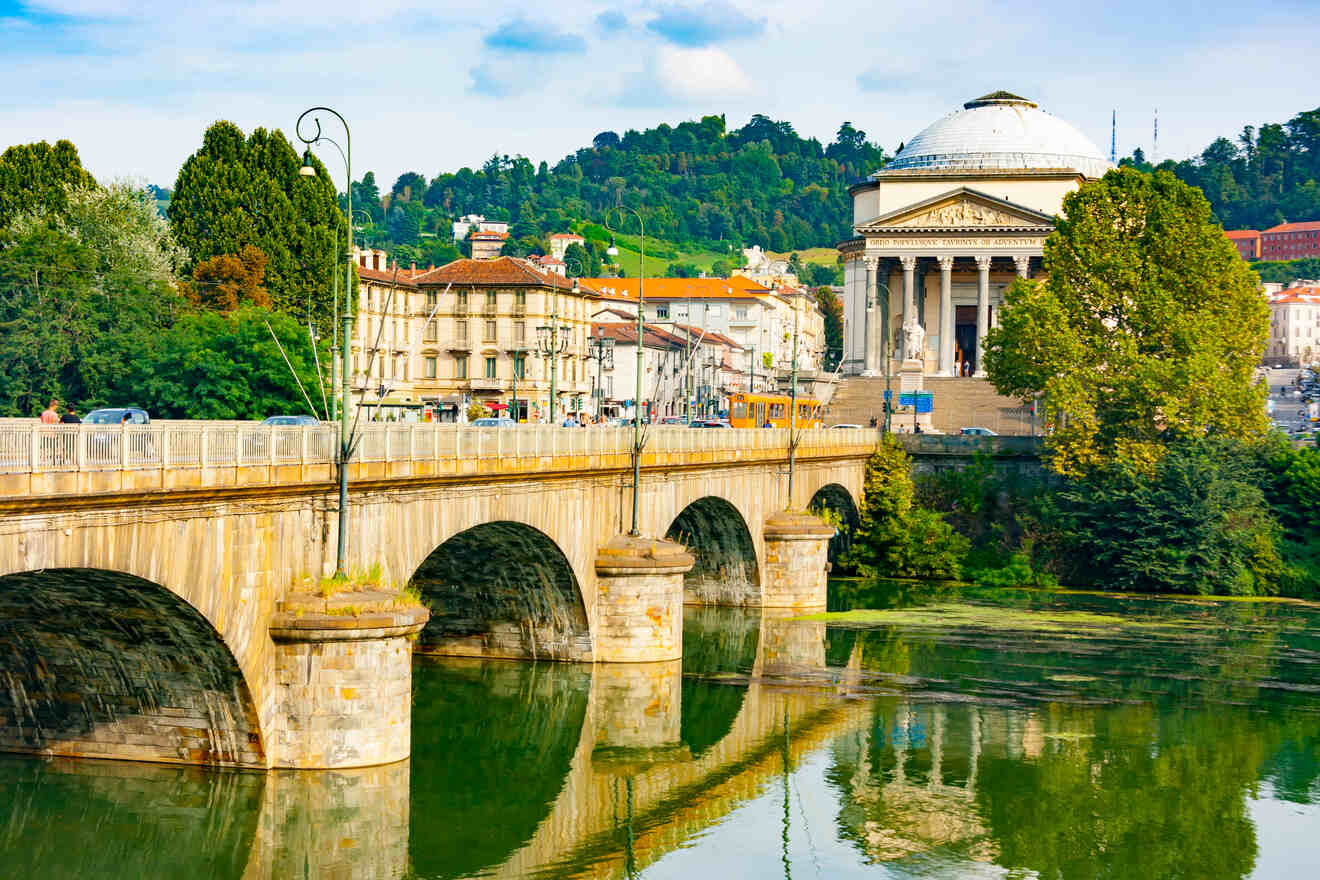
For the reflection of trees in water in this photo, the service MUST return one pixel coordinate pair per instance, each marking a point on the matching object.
(492, 746)
(1146, 796)
(78, 818)
(1125, 753)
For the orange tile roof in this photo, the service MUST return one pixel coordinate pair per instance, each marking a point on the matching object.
(501, 271)
(488, 236)
(1307, 295)
(679, 288)
(383, 276)
(1236, 234)
(627, 334)
(1307, 226)
(567, 235)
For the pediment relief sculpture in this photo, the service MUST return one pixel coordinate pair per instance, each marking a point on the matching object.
(964, 213)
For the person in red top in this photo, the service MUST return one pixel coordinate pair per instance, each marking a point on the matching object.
(51, 415)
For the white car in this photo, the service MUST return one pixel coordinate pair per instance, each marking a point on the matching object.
(849, 427)
(979, 432)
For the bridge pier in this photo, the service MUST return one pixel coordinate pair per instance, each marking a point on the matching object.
(343, 677)
(796, 561)
(639, 600)
(639, 715)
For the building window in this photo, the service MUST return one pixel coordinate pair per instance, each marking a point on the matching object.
(462, 301)
(490, 368)
(680, 310)
(520, 366)
(490, 331)
(460, 366)
(429, 367)
(520, 299)
(519, 332)
(713, 311)
(431, 334)
(740, 313)
(432, 298)
(460, 331)
(662, 313)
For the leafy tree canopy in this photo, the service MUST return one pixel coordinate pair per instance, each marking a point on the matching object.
(238, 191)
(37, 178)
(225, 282)
(1146, 328)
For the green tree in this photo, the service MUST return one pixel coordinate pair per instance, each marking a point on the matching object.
(120, 224)
(1197, 523)
(833, 311)
(68, 328)
(38, 178)
(238, 191)
(226, 366)
(1145, 330)
(897, 537)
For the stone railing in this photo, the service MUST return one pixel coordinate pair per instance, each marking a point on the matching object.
(37, 459)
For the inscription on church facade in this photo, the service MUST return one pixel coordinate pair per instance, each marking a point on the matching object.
(914, 242)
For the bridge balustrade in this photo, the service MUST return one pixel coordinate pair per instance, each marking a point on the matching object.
(40, 459)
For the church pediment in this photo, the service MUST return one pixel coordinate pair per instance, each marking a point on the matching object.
(962, 208)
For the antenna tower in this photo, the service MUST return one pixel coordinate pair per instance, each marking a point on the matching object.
(1155, 146)
(1113, 139)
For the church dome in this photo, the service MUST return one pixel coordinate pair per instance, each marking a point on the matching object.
(1000, 131)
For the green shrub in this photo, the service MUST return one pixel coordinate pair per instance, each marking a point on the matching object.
(897, 537)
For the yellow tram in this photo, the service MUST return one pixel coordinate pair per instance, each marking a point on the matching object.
(759, 410)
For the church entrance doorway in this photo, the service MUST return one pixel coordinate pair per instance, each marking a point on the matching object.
(964, 340)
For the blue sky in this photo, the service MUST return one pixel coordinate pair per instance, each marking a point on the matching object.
(430, 87)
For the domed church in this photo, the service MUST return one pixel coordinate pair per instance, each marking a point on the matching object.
(945, 226)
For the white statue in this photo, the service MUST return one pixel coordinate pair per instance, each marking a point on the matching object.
(914, 340)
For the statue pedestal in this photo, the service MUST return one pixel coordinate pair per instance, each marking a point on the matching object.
(911, 378)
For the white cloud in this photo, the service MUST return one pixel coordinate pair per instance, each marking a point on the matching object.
(689, 74)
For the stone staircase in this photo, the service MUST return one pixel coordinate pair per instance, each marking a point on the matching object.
(958, 404)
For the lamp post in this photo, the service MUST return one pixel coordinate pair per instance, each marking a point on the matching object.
(792, 414)
(345, 440)
(601, 349)
(613, 251)
(885, 355)
(518, 355)
(551, 342)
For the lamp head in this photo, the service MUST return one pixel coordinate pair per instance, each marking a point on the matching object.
(307, 170)
(612, 250)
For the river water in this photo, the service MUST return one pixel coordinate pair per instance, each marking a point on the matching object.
(1013, 734)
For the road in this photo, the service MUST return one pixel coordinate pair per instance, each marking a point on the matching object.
(1285, 397)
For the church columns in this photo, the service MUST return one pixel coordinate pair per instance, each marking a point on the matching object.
(869, 353)
(982, 311)
(909, 292)
(1023, 266)
(946, 316)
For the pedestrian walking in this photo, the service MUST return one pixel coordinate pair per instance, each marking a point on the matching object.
(51, 415)
(70, 417)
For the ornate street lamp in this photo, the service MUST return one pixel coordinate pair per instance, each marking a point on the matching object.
(345, 439)
(601, 350)
(637, 400)
(551, 342)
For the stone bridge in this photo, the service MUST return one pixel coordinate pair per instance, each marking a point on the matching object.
(161, 595)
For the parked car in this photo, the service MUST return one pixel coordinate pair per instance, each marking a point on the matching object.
(846, 427)
(671, 420)
(288, 421)
(979, 432)
(117, 415)
(708, 423)
(493, 422)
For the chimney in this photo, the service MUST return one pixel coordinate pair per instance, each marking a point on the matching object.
(413, 267)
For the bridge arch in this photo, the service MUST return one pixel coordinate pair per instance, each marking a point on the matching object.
(503, 589)
(726, 571)
(105, 664)
(843, 514)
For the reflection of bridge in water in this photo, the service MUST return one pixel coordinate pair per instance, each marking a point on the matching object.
(559, 769)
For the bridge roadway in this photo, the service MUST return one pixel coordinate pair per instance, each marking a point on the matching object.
(160, 582)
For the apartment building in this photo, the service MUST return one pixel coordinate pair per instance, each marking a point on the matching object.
(502, 328)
